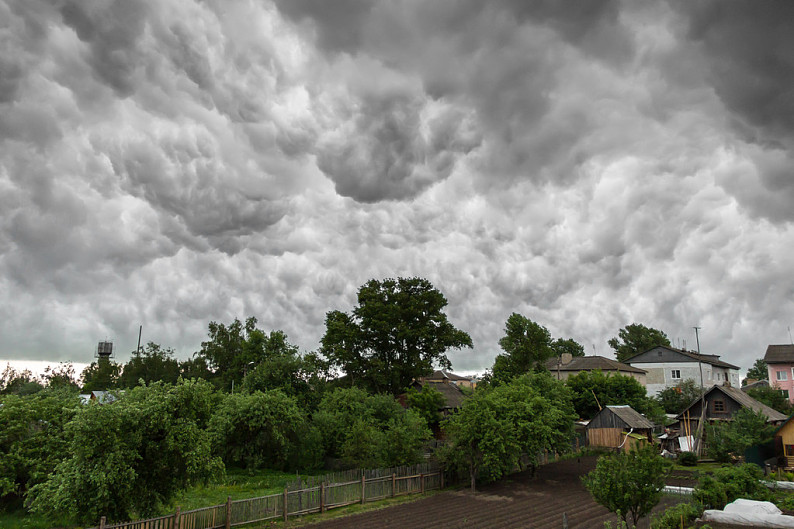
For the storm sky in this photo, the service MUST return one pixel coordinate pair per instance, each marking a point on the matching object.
(585, 164)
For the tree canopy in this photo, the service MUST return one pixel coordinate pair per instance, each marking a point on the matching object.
(635, 339)
(759, 370)
(150, 364)
(527, 345)
(676, 399)
(610, 389)
(397, 333)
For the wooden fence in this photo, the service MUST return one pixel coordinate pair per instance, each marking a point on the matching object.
(315, 494)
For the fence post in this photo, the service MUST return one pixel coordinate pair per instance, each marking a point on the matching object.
(393, 484)
(421, 483)
(228, 512)
(441, 474)
(363, 485)
(102, 522)
(322, 496)
(177, 518)
(565, 520)
(285, 505)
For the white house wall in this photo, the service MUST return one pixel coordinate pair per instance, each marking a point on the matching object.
(660, 375)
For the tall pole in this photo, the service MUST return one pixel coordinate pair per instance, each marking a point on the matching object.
(138, 349)
(700, 365)
(702, 396)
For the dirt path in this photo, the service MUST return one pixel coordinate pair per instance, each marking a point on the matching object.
(519, 502)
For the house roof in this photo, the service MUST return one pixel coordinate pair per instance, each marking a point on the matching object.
(453, 396)
(744, 400)
(631, 417)
(755, 385)
(705, 358)
(779, 354)
(440, 374)
(591, 363)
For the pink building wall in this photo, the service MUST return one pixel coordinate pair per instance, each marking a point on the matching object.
(776, 374)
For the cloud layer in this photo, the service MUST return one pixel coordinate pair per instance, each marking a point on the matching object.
(168, 164)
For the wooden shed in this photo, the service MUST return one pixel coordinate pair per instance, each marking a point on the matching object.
(619, 428)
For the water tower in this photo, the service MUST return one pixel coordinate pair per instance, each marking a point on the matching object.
(104, 351)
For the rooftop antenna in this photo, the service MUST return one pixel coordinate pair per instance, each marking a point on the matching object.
(594, 351)
(789, 335)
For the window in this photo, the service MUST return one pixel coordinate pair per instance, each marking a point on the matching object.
(782, 375)
(790, 450)
(719, 406)
(676, 373)
(717, 377)
(784, 392)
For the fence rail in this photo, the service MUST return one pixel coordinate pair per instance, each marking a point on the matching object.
(321, 494)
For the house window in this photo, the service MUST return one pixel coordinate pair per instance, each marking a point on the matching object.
(789, 450)
(719, 406)
(782, 375)
(784, 392)
(676, 373)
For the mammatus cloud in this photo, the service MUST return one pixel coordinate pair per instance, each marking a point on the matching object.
(168, 164)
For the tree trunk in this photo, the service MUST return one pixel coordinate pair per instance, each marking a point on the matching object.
(473, 474)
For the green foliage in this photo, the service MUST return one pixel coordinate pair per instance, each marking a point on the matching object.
(629, 483)
(610, 389)
(369, 430)
(570, 346)
(102, 375)
(671, 517)
(678, 398)
(688, 459)
(526, 345)
(495, 426)
(61, 377)
(150, 364)
(731, 438)
(32, 439)
(426, 402)
(258, 430)
(397, 333)
(13, 382)
(129, 457)
(635, 339)
(772, 397)
(759, 370)
(301, 377)
(723, 485)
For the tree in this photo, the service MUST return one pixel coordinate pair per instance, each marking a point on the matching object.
(397, 333)
(13, 382)
(724, 485)
(426, 402)
(302, 377)
(61, 377)
(629, 484)
(772, 397)
(526, 345)
(101, 375)
(725, 439)
(261, 430)
(678, 398)
(494, 427)
(570, 346)
(635, 339)
(610, 389)
(759, 370)
(153, 443)
(369, 430)
(150, 364)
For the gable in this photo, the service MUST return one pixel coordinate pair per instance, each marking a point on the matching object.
(660, 354)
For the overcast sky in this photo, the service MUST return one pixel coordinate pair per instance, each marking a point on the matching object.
(585, 164)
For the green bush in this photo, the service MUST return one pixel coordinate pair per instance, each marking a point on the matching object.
(671, 518)
(688, 459)
(725, 484)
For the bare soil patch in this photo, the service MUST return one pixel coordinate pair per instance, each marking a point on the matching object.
(520, 501)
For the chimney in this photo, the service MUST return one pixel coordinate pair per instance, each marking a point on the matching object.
(566, 358)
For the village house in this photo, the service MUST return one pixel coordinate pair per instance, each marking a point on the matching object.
(667, 367)
(722, 402)
(568, 365)
(780, 366)
(446, 377)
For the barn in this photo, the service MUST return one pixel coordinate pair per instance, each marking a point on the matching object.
(619, 428)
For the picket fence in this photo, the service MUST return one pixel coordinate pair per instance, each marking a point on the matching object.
(304, 496)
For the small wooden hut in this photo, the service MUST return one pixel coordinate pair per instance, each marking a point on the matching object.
(619, 428)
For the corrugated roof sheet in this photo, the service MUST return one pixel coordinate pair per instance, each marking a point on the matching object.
(631, 417)
(782, 354)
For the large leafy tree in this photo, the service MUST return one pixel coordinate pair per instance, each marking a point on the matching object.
(570, 346)
(635, 339)
(759, 370)
(772, 397)
(397, 333)
(610, 389)
(150, 364)
(629, 483)
(102, 375)
(131, 456)
(493, 428)
(731, 438)
(527, 345)
(302, 377)
(13, 382)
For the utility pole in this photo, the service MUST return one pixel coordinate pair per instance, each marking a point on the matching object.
(702, 399)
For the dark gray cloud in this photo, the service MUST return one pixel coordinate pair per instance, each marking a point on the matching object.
(168, 164)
